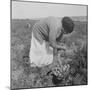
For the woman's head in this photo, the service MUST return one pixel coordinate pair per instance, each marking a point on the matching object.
(67, 24)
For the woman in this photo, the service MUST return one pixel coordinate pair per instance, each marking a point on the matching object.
(46, 34)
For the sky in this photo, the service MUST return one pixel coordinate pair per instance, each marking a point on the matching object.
(23, 10)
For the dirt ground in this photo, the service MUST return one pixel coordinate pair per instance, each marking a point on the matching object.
(74, 60)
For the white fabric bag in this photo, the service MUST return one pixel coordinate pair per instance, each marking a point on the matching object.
(39, 55)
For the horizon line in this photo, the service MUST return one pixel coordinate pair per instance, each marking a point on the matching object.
(50, 16)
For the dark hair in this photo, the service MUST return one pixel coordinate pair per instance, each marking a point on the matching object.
(67, 24)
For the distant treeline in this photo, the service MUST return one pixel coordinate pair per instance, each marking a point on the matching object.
(75, 18)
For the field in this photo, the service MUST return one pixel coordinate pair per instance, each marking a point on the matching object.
(75, 58)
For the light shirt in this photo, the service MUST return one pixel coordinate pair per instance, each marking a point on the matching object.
(47, 29)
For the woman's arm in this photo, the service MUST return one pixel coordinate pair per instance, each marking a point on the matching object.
(54, 32)
(52, 40)
(53, 43)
